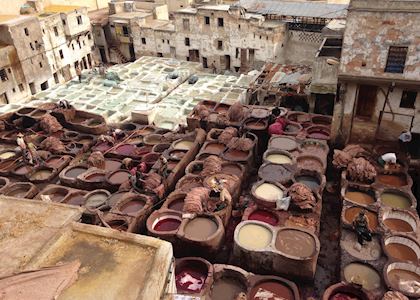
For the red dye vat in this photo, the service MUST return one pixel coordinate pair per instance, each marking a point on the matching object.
(126, 149)
(102, 147)
(167, 224)
(190, 280)
(264, 216)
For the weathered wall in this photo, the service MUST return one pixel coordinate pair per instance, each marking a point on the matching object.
(72, 27)
(367, 38)
(15, 87)
(300, 47)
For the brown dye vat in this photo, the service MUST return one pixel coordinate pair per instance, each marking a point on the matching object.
(112, 165)
(22, 170)
(351, 213)
(295, 243)
(55, 162)
(397, 225)
(396, 276)
(232, 169)
(314, 148)
(200, 228)
(95, 177)
(132, 206)
(392, 180)
(401, 252)
(77, 198)
(256, 125)
(177, 154)
(344, 291)
(236, 155)
(312, 163)
(283, 143)
(276, 173)
(276, 289)
(56, 194)
(18, 190)
(119, 177)
(194, 168)
(74, 172)
(177, 204)
(152, 139)
(359, 197)
(41, 175)
(214, 148)
(159, 148)
(96, 198)
(227, 288)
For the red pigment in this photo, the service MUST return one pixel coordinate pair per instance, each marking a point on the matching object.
(125, 149)
(132, 206)
(77, 199)
(97, 177)
(264, 216)
(236, 155)
(119, 177)
(177, 205)
(167, 224)
(214, 148)
(189, 280)
(276, 289)
(232, 169)
(23, 170)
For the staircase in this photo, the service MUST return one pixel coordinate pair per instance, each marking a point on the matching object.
(119, 54)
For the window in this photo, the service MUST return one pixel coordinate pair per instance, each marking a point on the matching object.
(237, 53)
(220, 22)
(55, 31)
(396, 59)
(220, 45)
(61, 54)
(21, 87)
(408, 99)
(89, 36)
(186, 24)
(125, 30)
(167, 41)
(64, 22)
(56, 80)
(26, 31)
(3, 75)
(188, 58)
(187, 41)
(163, 41)
(13, 90)
(207, 20)
(79, 20)
(84, 44)
(40, 65)
(143, 41)
(159, 54)
(72, 46)
(32, 46)
(80, 46)
(205, 65)
(239, 26)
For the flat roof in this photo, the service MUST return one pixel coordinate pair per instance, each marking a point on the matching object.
(14, 19)
(296, 9)
(130, 15)
(223, 7)
(60, 8)
(99, 16)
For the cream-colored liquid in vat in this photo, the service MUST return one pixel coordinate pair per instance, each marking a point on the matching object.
(254, 236)
(269, 192)
(279, 159)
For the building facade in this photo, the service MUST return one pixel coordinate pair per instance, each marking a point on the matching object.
(42, 49)
(379, 73)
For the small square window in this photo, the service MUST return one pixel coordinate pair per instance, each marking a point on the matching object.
(396, 59)
(220, 22)
(159, 54)
(3, 75)
(143, 41)
(188, 58)
(55, 31)
(220, 45)
(163, 41)
(125, 31)
(61, 54)
(13, 90)
(79, 20)
(408, 99)
(207, 20)
(26, 31)
(187, 41)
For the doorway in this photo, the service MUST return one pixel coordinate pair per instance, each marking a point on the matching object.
(366, 101)
(32, 87)
(103, 54)
(44, 85)
(194, 55)
(227, 62)
(132, 53)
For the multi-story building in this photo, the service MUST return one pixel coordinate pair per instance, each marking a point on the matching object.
(379, 73)
(43, 48)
